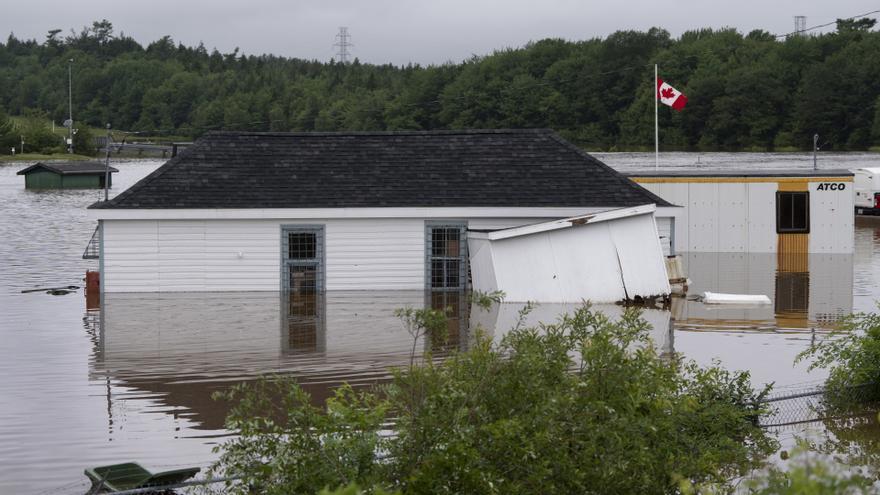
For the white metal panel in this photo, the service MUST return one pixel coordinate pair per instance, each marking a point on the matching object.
(831, 217)
(703, 217)
(524, 270)
(601, 262)
(640, 256)
(482, 265)
(762, 217)
(732, 217)
(844, 221)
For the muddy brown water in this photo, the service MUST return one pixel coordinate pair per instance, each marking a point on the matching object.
(133, 381)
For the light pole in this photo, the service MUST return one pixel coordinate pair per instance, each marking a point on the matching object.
(70, 106)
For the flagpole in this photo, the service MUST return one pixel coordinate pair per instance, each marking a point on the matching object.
(656, 125)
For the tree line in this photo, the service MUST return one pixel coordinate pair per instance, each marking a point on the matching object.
(756, 91)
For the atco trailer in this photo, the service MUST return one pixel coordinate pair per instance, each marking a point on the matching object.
(757, 211)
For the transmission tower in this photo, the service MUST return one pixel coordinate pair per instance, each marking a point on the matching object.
(800, 24)
(343, 42)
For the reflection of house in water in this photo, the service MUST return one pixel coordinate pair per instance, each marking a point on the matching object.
(179, 348)
(501, 318)
(169, 352)
(808, 290)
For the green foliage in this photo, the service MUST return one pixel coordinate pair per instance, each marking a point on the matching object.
(38, 137)
(84, 141)
(423, 322)
(582, 406)
(8, 136)
(745, 92)
(852, 357)
(287, 445)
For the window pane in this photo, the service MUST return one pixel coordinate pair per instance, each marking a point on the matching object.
(438, 242)
(785, 211)
(799, 207)
(793, 212)
(452, 242)
(302, 246)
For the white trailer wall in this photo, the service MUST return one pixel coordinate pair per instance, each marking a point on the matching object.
(740, 217)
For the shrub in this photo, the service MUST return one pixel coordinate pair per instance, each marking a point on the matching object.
(584, 405)
(852, 358)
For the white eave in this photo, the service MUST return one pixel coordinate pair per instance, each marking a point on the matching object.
(565, 223)
(321, 213)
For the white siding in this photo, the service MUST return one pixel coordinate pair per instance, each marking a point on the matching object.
(224, 255)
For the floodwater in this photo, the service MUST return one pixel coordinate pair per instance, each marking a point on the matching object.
(133, 380)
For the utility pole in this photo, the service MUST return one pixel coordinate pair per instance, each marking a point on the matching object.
(107, 166)
(70, 106)
(815, 149)
(343, 42)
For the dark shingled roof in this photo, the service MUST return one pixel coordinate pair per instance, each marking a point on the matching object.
(69, 168)
(508, 168)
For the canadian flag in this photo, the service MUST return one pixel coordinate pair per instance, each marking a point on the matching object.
(670, 96)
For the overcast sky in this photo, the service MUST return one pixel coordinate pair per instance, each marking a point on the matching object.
(402, 31)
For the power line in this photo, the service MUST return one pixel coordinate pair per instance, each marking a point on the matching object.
(820, 26)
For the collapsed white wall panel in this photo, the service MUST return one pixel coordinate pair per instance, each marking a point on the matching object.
(605, 257)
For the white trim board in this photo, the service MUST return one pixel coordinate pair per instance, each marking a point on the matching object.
(307, 213)
(565, 223)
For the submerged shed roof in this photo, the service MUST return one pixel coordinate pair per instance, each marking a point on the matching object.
(69, 168)
(515, 168)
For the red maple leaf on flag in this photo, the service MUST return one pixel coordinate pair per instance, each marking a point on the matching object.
(667, 93)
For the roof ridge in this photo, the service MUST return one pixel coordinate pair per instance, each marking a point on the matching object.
(438, 132)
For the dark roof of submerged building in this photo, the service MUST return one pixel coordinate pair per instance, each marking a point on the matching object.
(471, 168)
(69, 168)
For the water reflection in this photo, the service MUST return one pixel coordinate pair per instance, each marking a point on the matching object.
(809, 291)
(171, 352)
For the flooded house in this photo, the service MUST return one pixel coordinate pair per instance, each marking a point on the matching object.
(345, 211)
(67, 175)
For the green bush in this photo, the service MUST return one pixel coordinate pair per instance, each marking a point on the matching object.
(852, 358)
(585, 405)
